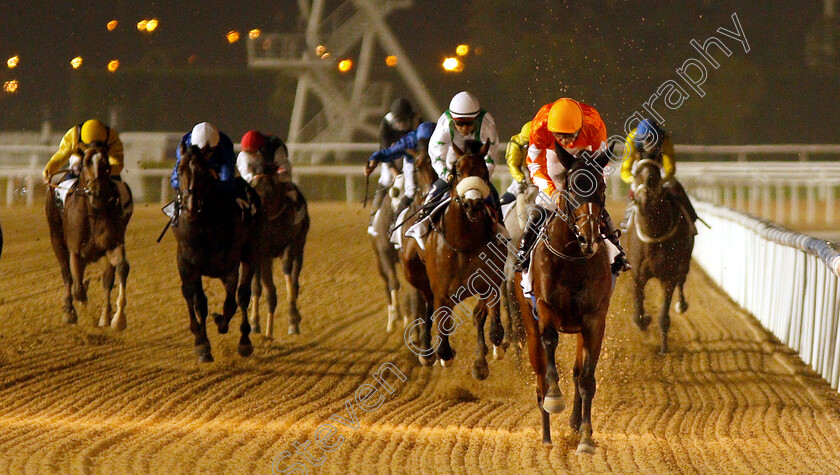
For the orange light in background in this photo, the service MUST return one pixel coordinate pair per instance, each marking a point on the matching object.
(345, 65)
(462, 50)
(320, 50)
(13, 62)
(76, 62)
(391, 61)
(232, 36)
(141, 25)
(254, 34)
(192, 59)
(10, 86)
(113, 65)
(151, 25)
(453, 65)
(112, 25)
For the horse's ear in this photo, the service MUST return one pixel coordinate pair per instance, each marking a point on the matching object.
(484, 148)
(458, 151)
(566, 158)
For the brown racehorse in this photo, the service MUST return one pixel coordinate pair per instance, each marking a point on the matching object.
(284, 228)
(459, 262)
(419, 293)
(213, 239)
(572, 286)
(659, 244)
(91, 226)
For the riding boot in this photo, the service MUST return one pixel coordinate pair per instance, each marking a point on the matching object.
(434, 197)
(620, 264)
(378, 196)
(529, 237)
(506, 198)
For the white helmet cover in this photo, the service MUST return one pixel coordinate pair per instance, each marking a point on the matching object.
(204, 134)
(464, 105)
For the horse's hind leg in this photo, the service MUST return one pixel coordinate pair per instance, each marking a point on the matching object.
(116, 262)
(77, 270)
(230, 282)
(664, 317)
(291, 269)
(256, 293)
(480, 369)
(682, 305)
(553, 401)
(267, 279)
(243, 296)
(642, 321)
(589, 350)
(197, 303)
(63, 256)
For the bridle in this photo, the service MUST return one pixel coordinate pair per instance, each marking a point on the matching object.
(637, 207)
(569, 218)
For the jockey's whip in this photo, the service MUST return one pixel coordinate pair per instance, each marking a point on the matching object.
(165, 228)
(367, 181)
(701, 220)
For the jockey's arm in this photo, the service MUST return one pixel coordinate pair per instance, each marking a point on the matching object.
(115, 152)
(439, 145)
(281, 160)
(516, 148)
(668, 162)
(489, 132)
(67, 147)
(242, 161)
(629, 157)
(537, 166)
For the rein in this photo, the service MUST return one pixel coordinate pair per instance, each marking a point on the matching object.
(637, 208)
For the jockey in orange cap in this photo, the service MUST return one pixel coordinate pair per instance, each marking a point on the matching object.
(577, 127)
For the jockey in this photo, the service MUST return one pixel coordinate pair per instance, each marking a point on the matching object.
(254, 147)
(74, 144)
(465, 119)
(203, 135)
(649, 141)
(517, 147)
(407, 147)
(576, 127)
(401, 120)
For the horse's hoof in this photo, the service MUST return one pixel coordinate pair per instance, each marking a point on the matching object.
(69, 318)
(118, 323)
(480, 372)
(205, 358)
(203, 352)
(221, 323)
(553, 404)
(585, 448)
(663, 350)
(245, 349)
(498, 352)
(681, 307)
(427, 360)
(267, 337)
(103, 322)
(390, 327)
(446, 363)
(255, 328)
(294, 329)
(643, 322)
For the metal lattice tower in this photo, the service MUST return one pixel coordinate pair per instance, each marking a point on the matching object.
(350, 103)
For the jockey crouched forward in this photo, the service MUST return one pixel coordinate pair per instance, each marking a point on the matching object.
(575, 127)
(649, 141)
(267, 154)
(205, 135)
(517, 150)
(464, 120)
(73, 146)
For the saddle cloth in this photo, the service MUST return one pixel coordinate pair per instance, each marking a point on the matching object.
(65, 187)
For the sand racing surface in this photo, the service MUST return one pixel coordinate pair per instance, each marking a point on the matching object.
(79, 399)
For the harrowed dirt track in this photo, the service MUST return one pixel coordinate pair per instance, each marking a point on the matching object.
(78, 399)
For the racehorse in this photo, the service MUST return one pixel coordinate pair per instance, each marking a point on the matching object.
(387, 258)
(460, 263)
(660, 239)
(284, 229)
(515, 221)
(572, 285)
(92, 225)
(419, 293)
(213, 240)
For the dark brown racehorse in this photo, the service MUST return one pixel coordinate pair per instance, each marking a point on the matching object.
(91, 226)
(285, 223)
(213, 240)
(459, 262)
(660, 240)
(419, 293)
(572, 286)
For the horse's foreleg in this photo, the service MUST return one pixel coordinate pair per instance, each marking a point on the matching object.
(444, 318)
(682, 305)
(664, 316)
(243, 297)
(425, 311)
(536, 354)
(197, 303)
(256, 293)
(77, 270)
(577, 408)
(592, 335)
(497, 330)
(267, 279)
(553, 401)
(480, 369)
(642, 321)
(117, 261)
(394, 297)
(230, 282)
(107, 286)
(291, 270)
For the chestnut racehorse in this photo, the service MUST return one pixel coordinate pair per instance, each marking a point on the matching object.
(571, 287)
(91, 226)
